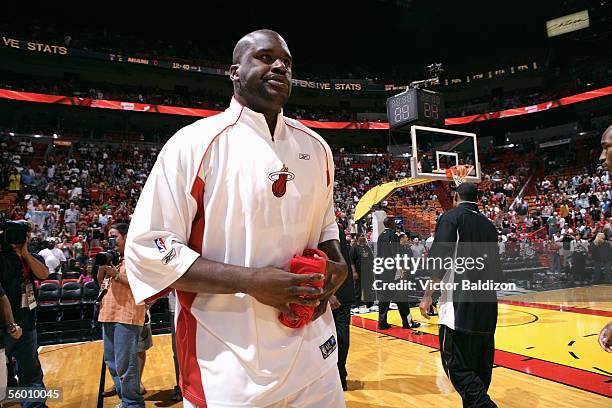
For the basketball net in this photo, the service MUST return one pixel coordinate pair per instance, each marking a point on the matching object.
(459, 173)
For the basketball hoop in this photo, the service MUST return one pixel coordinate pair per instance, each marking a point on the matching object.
(459, 172)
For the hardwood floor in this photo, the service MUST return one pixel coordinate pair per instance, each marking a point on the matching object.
(402, 368)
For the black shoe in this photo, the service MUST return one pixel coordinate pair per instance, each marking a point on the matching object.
(411, 325)
(109, 392)
(178, 395)
(384, 326)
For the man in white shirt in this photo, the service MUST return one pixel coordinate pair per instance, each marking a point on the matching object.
(230, 200)
(103, 218)
(54, 257)
(75, 193)
(561, 223)
(378, 217)
(429, 241)
(417, 248)
(71, 217)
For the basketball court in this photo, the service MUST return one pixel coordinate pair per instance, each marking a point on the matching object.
(546, 356)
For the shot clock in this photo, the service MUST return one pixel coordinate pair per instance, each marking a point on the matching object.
(415, 106)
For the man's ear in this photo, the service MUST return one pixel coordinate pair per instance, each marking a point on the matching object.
(233, 72)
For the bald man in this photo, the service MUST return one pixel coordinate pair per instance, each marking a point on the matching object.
(605, 337)
(230, 201)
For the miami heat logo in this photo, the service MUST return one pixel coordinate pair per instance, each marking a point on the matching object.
(279, 181)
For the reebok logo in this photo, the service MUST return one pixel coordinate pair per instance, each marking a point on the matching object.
(170, 256)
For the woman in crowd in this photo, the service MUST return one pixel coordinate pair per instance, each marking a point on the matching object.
(87, 275)
(65, 247)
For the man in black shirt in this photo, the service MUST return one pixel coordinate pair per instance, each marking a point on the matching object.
(388, 246)
(340, 304)
(467, 317)
(18, 269)
(361, 257)
(96, 232)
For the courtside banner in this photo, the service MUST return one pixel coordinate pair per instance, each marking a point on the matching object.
(104, 104)
(177, 110)
(568, 100)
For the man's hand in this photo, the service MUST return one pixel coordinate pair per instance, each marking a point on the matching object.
(355, 275)
(24, 249)
(424, 306)
(109, 270)
(605, 338)
(39, 269)
(334, 303)
(16, 334)
(335, 275)
(277, 288)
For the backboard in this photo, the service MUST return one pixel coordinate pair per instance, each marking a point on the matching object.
(435, 150)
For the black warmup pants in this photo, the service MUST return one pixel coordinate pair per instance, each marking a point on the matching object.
(342, 318)
(468, 361)
(358, 291)
(385, 298)
(402, 307)
(579, 267)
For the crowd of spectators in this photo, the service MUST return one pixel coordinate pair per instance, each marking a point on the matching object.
(568, 225)
(73, 196)
(582, 201)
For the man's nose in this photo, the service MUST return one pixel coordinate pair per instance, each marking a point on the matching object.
(279, 65)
